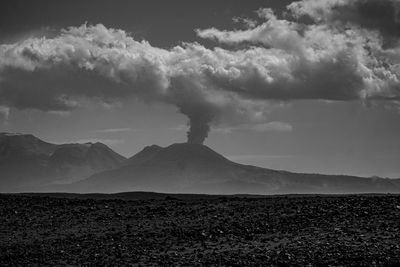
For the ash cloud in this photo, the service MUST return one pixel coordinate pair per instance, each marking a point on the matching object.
(4, 113)
(338, 57)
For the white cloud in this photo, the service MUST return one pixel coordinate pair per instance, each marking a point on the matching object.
(317, 9)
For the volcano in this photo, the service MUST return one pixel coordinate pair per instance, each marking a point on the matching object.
(30, 164)
(195, 168)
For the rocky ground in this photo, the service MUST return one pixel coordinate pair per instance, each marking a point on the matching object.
(272, 231)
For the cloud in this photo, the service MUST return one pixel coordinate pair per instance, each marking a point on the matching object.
(115, 130)
(380, 15)
(272, 59)
(178, 128)
(320, 60)
(273, 126)
(273, 32)
(245, 21)
(104, 65)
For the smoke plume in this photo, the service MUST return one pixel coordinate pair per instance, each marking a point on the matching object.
(198, 130)
(272, 59)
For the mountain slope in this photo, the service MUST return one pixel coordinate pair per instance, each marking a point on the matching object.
(72, 162)
(193, 168)
(27, 161)
(147, 153)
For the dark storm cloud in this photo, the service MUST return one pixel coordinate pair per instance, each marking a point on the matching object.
(57, 89)
(273, 59)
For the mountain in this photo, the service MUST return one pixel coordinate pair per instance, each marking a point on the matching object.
(26, 161)
(194, 168)
(72, 162)
(144, 155)
(30, 164)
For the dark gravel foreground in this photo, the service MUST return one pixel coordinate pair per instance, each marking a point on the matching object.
(274, 231)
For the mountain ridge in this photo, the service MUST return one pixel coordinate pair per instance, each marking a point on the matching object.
(26, 160)
(177, 168)
(194, 168)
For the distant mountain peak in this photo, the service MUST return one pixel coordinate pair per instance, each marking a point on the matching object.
(16, 145)
(26, 160)
(145, 154)
(17, 135)
(12, 134)
(191, 151)
(151, 149)
(176, 152)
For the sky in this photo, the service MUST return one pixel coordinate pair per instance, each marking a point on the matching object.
(309, 86)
